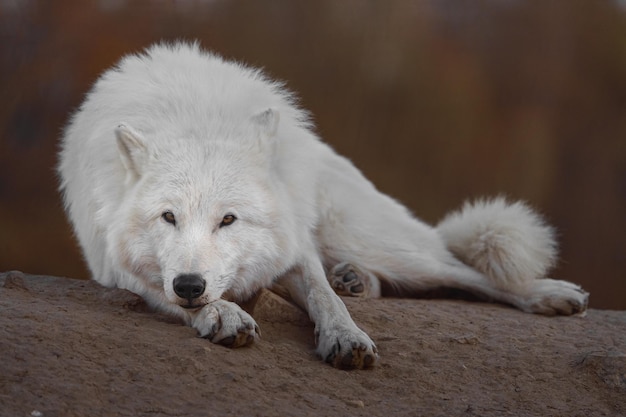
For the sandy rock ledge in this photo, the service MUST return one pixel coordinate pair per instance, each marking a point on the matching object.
(72, 348)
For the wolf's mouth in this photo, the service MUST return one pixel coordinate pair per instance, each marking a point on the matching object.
(192, 307)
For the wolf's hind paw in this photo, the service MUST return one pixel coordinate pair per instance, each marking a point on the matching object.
(349, 280)
(553, 297)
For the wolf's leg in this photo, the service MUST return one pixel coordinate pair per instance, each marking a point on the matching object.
(541, 296)
(339, 341)
(224, 322)
(413, 271)
(350, 280)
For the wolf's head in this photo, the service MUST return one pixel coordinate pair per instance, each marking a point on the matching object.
(202, 217)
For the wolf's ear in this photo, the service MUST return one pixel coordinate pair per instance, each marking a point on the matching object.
(132, 149)
(267, 122)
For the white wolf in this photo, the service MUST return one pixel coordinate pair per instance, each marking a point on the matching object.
(194, 182)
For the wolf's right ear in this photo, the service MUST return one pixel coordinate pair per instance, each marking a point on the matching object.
(132, 149)
(267, 122)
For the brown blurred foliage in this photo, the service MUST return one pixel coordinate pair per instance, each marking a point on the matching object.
(436, 101)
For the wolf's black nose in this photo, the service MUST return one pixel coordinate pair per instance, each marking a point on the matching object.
(189, 286)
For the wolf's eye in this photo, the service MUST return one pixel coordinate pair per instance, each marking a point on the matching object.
(228, 220)
(169, 217)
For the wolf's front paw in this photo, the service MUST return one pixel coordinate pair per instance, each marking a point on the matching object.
(225, 323)
(552, 297)
(346, 348)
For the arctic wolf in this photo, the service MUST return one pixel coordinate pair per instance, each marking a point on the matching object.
(194, 182)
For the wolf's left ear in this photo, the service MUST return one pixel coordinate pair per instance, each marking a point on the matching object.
(267, 122)
(132, 149)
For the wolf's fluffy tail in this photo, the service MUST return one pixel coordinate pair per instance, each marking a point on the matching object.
(508, 242)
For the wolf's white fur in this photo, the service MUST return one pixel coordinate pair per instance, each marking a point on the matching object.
(170, 143)
(509, 243)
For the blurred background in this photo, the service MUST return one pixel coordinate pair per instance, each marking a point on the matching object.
(436, 101)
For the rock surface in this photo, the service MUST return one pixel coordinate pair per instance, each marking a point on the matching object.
(72, 348)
